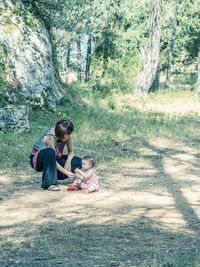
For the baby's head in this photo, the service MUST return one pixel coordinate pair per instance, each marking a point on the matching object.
(88, 162)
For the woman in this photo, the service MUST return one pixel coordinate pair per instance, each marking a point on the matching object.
(47, 155)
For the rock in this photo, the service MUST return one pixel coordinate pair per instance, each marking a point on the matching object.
(14, 118)
(26, 56)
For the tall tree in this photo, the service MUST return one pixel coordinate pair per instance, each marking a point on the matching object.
(172, 45)
(148, 79)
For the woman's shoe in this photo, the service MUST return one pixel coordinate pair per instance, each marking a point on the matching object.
(72, 188)
(54, 188)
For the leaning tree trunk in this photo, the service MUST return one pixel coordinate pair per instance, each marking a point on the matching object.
(88, 58)
(171, 47)
(79, 59)
(148, 79)
(197, 85)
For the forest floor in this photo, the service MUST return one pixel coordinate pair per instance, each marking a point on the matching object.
(147, 213)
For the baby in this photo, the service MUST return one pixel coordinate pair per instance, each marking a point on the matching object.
(87, 180)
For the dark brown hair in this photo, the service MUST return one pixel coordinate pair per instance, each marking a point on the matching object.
(63, 127)
(91, 160)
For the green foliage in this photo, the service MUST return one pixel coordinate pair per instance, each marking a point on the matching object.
(25, 13)
(187, 34)
(190, 26)
(119, 29)
(134, 21)
(29, 19)
(116, 54)
(119, 74)
(73, 16)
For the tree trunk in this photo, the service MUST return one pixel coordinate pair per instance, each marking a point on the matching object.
(68, 55)
(171, 47)
(148, 79)
(197, 85)
(88, 58)
(79, 59)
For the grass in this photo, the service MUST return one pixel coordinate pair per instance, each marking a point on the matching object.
(105, 127)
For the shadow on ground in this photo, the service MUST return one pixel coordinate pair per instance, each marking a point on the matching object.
(146, 214)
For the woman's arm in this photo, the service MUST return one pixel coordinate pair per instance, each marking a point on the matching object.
(70, 149)
(63, 170)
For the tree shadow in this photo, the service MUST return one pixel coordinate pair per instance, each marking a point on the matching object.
(121, 225)
(173, 187)
(164, 179)
(71, 243)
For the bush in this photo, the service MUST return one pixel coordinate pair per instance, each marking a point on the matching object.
(119, 74)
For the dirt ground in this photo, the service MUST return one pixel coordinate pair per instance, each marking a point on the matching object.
(145, 214)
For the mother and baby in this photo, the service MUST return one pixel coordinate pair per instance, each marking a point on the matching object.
(47, 157)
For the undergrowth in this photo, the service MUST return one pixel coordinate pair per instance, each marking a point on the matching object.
(103, 127)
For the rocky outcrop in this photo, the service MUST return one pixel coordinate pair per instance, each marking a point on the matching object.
(14, 119)
(26, 56)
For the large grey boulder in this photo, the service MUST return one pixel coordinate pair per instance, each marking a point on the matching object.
(26, 56)
(14, 118)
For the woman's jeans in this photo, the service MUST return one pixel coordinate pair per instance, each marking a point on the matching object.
(46, 163)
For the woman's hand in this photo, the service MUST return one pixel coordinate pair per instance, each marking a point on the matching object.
(69, 174)
(63, 170)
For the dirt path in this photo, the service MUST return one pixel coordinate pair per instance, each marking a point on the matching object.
(146, 214)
